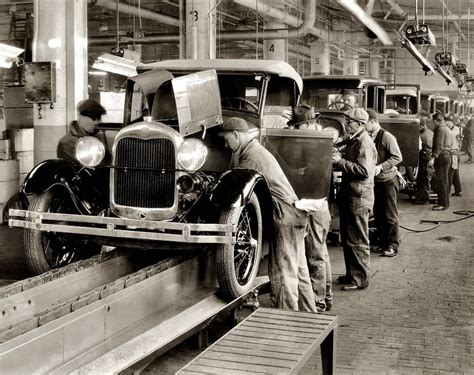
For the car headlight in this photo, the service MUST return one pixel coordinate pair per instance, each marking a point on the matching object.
(90, 151)
(192, 154)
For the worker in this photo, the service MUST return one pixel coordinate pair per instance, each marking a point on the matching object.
(386, 186)
(317, 254)
(466, 140)
(356, 198)
(441, 160)
(290, 285)
(454, 177)
(89, 115)
(423, 177)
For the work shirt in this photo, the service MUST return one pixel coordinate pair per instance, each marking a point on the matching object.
(456, 138)
(388, 154)
(253, 155)
(426, 137)
(442, 139)
(358, 165)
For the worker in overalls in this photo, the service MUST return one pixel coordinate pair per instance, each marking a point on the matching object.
(290, 285)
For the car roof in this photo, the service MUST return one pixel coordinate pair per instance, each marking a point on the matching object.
(279, 68)
(355, 81)
(401, 91)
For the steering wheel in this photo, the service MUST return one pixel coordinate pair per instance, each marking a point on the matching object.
(340, 106)
(238, 103)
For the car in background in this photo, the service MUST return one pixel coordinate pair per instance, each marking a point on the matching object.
(333, 95)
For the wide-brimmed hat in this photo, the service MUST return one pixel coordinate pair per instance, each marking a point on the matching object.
(358, 115)
(302, 114)
(234, 124)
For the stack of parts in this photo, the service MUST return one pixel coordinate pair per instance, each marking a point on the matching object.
(9, 185)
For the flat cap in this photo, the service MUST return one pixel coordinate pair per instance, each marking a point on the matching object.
(448, 117)
(302, 114)
(357, 114)
(90, 107)
(234, 124)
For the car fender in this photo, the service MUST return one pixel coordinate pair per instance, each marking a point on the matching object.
(46, 174)
(235, 187)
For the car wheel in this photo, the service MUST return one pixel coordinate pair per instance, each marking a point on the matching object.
(237, 264)
(48, 250)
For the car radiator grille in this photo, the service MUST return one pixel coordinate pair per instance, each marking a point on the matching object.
(141, 179)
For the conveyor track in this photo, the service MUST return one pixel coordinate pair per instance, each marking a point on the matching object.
(105, 310)
(37, 301)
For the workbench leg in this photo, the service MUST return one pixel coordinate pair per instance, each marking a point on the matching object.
(203, 338)
(328, 353)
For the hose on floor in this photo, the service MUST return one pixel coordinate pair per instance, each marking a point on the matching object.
(467, 214)
(419, 230)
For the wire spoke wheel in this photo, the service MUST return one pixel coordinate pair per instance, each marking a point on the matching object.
(237, 264)
(245, 248)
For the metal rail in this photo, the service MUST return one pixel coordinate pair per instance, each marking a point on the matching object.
(123, 228)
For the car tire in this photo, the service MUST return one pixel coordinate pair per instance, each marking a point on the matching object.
(237, 264)
(49, 250)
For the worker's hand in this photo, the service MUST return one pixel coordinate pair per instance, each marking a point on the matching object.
(431, 163)
(300, 171)
(378, 169)
(336, 156)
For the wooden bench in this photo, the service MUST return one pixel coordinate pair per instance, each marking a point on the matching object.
(271, 341)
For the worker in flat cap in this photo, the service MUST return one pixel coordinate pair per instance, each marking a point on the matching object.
(356, 198)
(89, 116)
(290, 285)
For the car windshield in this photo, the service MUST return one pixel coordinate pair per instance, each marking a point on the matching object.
(240, 92)
(332, 98)
(403, 104)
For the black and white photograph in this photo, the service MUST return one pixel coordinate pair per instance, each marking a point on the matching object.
(236, 187)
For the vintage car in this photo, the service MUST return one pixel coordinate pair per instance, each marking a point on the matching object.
(167, 185)
(333, 95)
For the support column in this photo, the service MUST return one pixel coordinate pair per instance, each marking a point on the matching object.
(63, 42)
(374, 68)
(200, 29)
(275, 49)
(351, 64)
(320, 58)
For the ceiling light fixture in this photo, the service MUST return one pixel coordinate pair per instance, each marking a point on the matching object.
(116, 64)
(9, 55)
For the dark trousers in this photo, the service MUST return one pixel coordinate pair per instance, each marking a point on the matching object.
(469, 150)
(442, 164)
(454, 178)
(386, 212)
(354, 227)
(423, 178)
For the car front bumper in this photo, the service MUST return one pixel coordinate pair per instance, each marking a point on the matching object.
(124, 228)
